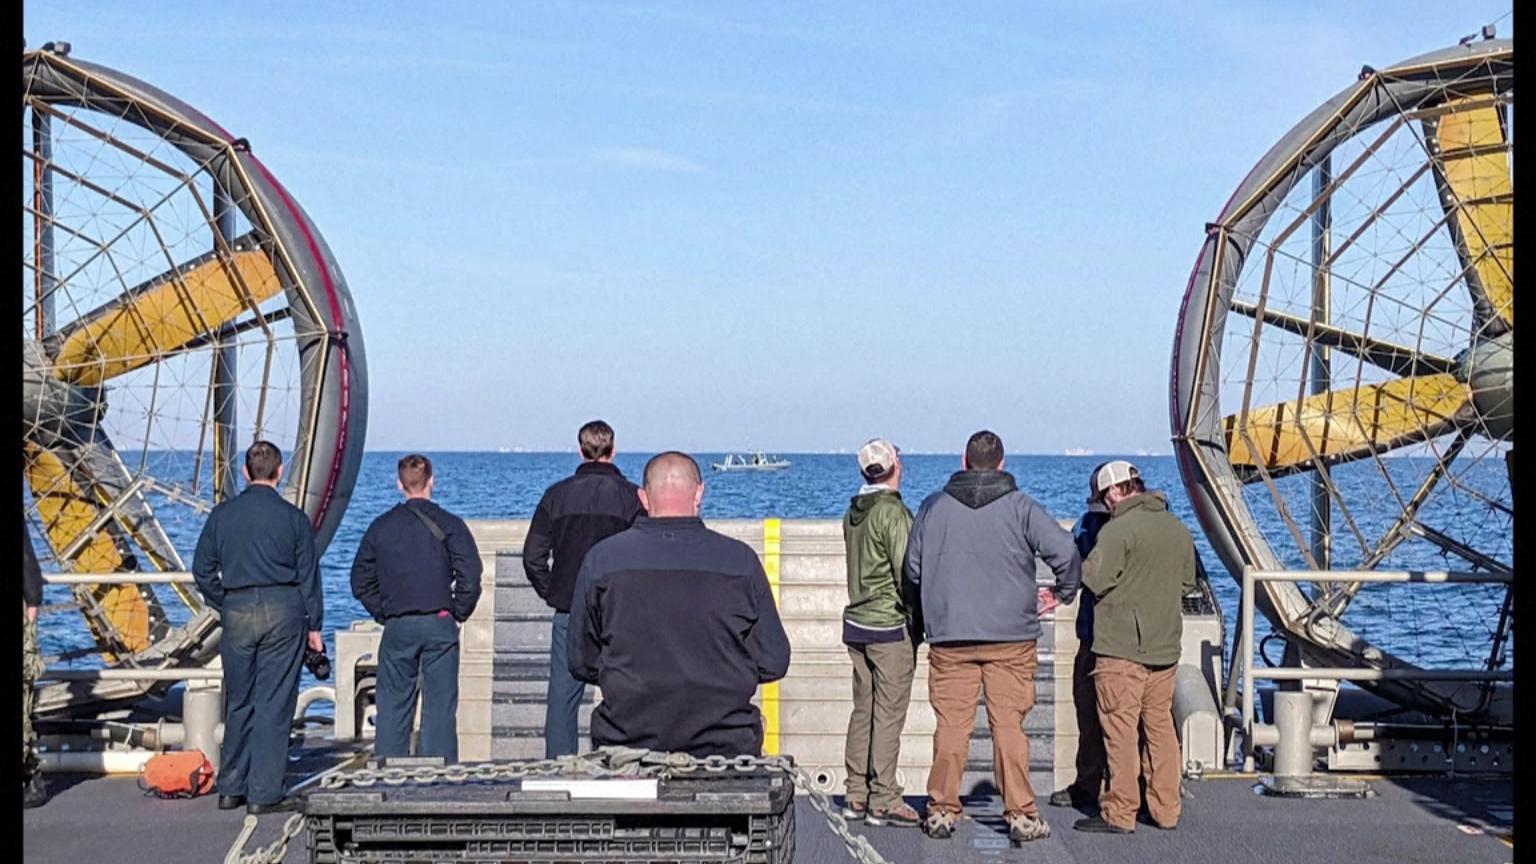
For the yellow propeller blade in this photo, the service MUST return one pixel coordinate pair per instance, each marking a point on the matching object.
(163, 315)
(66, 511)
(1344, 424)
(1474, 167)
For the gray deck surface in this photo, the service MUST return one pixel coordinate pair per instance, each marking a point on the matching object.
(108, 819)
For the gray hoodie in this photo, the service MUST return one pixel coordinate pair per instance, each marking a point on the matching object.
(972, 553)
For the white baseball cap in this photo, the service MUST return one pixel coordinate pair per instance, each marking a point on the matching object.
(877, 457)
(1112, 474)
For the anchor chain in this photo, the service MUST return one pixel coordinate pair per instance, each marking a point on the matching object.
(603, 762)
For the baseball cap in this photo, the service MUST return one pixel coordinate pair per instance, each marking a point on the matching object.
(1112, 474)
(877, 457)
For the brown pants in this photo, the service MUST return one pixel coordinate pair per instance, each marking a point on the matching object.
(1005, 671)
(1134, 697)
(882, 687)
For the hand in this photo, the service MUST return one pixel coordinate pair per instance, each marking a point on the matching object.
(316, 644)
(31, 613)
(1046, 602)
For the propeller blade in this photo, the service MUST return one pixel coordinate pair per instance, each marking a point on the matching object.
(1344, 424)
(162, 315)
(1472, 171)
(1398, 359)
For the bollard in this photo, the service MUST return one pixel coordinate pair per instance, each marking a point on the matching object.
(1293, 720)
(202, 709)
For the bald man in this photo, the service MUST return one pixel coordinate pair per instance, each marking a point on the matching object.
(677, 625)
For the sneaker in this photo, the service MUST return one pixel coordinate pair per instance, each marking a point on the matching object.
(1145, 818)
(1072, 797)
(1097, 825)
(902, 815)
(940, 824)
(853, 811)
(1023, 828)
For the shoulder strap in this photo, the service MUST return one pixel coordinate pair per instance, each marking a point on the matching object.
(437, 532)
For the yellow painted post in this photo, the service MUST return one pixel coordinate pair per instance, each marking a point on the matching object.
(770, 692)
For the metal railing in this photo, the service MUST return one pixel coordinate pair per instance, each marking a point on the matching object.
(173, 577)
(1252, 576)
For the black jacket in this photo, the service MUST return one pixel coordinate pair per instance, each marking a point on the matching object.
(258, 539)
(402, 568)
(31, 574)
(593, 504)
(677, 625)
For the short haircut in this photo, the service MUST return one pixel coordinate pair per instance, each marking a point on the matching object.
(671, 457)
(262, 460)
(873, 474)
(1130, 487)
(984, 451)
(596, 440)
(415, 470)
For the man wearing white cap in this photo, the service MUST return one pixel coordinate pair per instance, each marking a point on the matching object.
(1140, 568)
(878, 630)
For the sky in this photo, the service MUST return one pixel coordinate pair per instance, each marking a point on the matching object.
(787, 226)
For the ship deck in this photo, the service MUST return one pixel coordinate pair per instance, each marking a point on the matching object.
(1430, 819)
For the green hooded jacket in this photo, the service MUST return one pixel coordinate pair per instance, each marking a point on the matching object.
(1139, 571)
(875, 534)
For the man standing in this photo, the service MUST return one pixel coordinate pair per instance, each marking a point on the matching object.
(1139, 571)
(876, 628)
(33, 792)
(677, 625)
(574, 514)
(418, 572)
(1085, 787)
(972, 553)
(256, 566)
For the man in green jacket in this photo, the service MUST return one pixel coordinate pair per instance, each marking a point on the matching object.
(1139, 571)
(878, 630)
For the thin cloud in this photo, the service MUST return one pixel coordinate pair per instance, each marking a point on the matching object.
(649, 160)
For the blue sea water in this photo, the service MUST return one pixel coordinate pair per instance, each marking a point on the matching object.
(818, 486)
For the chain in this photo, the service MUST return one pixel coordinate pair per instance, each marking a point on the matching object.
(602, 762)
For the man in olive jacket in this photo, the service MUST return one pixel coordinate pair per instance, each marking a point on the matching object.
(1139, 571)
(877, 628)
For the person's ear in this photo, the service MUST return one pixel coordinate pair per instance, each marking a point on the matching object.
(1000, 463)
(279, 477)
(965, 464)
(246, 473)
(698, 497)
(400, 486)
(644, 501)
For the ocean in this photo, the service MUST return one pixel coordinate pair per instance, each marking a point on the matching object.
(1406, 619)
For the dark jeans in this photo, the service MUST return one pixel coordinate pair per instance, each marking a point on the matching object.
(563, 701)
(418, 654)
(262, 648)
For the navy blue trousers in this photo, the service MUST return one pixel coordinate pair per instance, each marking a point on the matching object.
(563, 700)
(262, 648)
(418, 656)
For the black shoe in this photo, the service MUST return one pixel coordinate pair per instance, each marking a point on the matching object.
(34, 793)
(1097, 825)
(1071, 797)
(1145, 818)
(284, 806)
(230, 802)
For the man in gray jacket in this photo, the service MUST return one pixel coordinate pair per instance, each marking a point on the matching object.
(971, 553)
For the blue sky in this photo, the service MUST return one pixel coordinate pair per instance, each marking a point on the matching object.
(788, 225)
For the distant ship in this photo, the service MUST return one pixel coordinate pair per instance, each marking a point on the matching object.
(1078, 451)
(753, 462)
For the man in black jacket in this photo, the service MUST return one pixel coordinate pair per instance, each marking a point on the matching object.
(677, 625)
(574, 514)
(418, 571)
(33, 792)
(257, 567)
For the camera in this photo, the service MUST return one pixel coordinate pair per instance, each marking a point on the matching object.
(317, 663)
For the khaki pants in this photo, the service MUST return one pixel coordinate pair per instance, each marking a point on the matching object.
(1131, 697)
(1005, 671)
(882, 688)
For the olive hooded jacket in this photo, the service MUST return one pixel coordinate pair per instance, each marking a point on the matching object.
(1139, 571)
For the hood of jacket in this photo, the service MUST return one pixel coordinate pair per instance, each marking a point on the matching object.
(976, 489)
(861, 505)
(1152, 502)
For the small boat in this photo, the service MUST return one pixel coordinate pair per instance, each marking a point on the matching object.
(752, 462)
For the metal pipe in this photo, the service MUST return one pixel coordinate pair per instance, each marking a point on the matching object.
(1430, 576)
(1247, 637)
(188, 674)
(1368, 674)
(165, 578)
(42, 203)
(1321, 378)
(99, 762)
(225, 405)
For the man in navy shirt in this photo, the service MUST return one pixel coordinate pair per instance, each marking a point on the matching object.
(677, 625)
(418, 571)
(256, 566)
